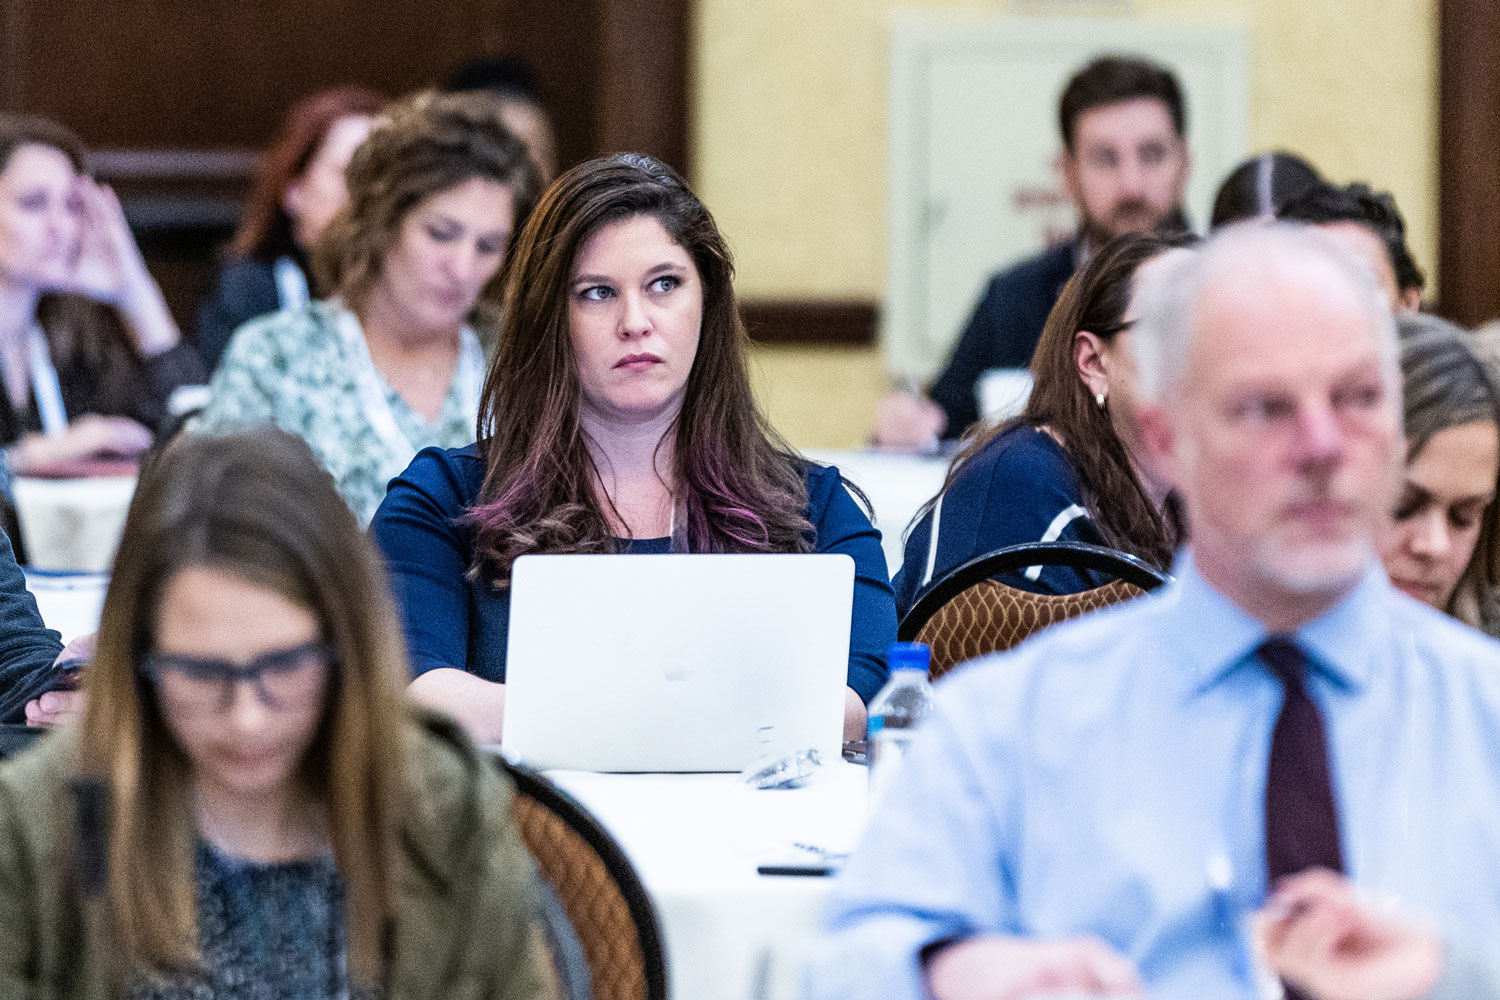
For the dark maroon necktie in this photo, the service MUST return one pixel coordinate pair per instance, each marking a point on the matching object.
(1302, 824)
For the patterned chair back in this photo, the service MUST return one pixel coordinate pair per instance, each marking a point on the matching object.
(990, 617)
(966, 614)
(600, 892)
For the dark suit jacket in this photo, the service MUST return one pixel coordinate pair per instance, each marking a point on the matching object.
(1003, 330)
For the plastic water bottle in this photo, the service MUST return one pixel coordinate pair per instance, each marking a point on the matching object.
(895, 713)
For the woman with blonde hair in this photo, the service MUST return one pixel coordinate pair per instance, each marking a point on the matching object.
(392, 363)
(246, 808)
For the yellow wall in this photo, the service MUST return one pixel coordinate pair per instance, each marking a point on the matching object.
(791, 145)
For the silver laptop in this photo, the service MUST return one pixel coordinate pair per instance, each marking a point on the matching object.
(675, 662)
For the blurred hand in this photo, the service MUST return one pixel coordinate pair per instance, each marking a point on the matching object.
(56, 707)
(81, 648)
(110, 269)
(904, 422)
(994, 967)
(88, 436)
(1318, 934)
(109, 264)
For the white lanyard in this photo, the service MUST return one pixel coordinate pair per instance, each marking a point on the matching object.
(291, 284)
(44, 384)
(373, 396)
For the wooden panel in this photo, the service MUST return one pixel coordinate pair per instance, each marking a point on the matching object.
(561, 40)
(643, 85)
(1469, 161)
(807, 321)
(216, 73)
(177, 95)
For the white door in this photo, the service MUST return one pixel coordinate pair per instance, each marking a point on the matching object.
(974, 140)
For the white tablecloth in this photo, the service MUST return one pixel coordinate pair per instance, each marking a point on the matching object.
(897, 485)
(69, 603)
(696, 839)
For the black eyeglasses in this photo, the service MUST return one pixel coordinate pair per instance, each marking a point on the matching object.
(281, 679)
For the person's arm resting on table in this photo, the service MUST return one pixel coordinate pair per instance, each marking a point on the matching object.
(427, 558)
(842, 527)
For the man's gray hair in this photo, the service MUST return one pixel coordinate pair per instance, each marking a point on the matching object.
(1170, 294)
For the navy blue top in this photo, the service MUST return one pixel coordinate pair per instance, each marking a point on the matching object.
(1021, 487)
(453, 621)
(1003, 330)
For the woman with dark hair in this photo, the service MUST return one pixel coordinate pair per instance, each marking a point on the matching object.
(299, 187)
(617, 417)
(246, 808)
(392, 363)
(1066, 468)
(89, 353)
(1444, 546)
(1259, 187)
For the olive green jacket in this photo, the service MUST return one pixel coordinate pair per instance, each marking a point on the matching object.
(463, 929)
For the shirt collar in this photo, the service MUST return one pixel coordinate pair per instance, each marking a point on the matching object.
(1218, 636)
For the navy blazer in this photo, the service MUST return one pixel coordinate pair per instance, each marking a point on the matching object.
(1003, 330)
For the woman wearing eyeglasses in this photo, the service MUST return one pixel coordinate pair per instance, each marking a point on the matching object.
(246, 809)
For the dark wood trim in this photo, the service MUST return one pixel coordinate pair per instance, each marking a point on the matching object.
(1469, 160)
(839, 322)
(644, 60)
(13, 52)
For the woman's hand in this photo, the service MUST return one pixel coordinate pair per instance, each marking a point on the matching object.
(58, 707)
(475, 704)
(89, 436)
(110, 269)
(1320, 935)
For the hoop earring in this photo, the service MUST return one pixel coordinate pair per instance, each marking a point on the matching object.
(1099, 399)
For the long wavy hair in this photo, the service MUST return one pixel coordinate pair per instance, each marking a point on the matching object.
(258, 505)
(737, 486)
(1448, 379)
(1095, 299)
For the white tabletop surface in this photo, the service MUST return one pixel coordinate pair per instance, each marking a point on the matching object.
(696, 840)
(897, 485)
(70, 603)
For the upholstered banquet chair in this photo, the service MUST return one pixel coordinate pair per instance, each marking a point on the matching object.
(968, 613)
(601, 895)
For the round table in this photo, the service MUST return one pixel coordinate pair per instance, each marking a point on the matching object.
(696, 841)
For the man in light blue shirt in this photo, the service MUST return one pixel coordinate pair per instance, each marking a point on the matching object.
(1088, 813)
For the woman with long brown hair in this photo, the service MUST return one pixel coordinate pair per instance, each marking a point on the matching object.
(393, 362)
(297, 190)
(89, 353)
(617, 416)
(1066, 468)
(246, 808)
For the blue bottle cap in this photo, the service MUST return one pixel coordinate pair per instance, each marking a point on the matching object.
(909, 656)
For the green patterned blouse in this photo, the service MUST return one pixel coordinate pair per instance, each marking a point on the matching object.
(294, 369)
